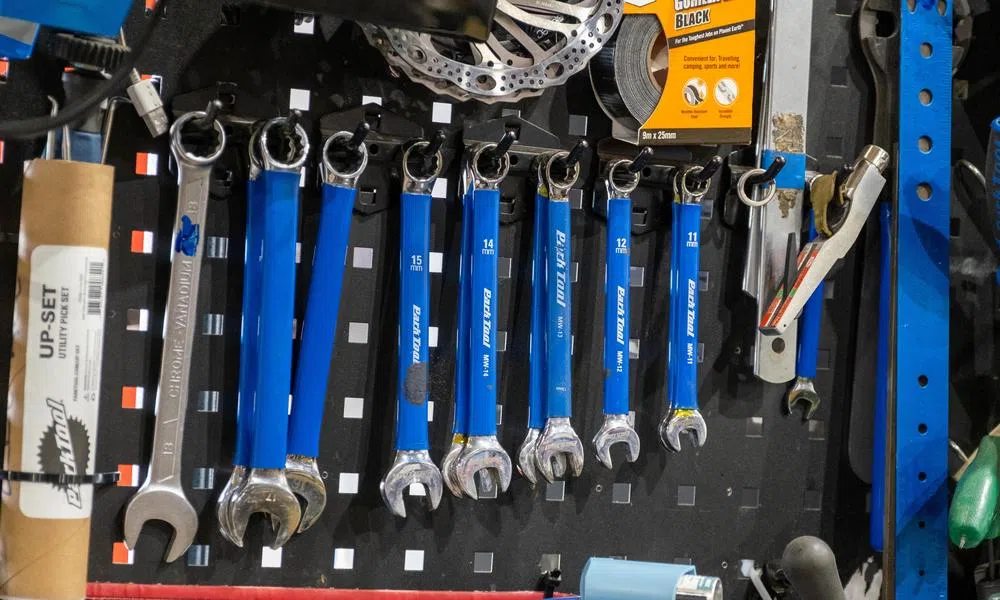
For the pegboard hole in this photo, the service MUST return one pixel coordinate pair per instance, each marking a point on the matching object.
(647, 172)
(922, 380)
(514, 160)
(924, 191)
(922, 476)
(922, 428)
(921, 524)
(921, 572)
(925, 144)
(373, 149)
(926, 97)
(911, 5)
(926, 50)
(942, 7)
(778, 345)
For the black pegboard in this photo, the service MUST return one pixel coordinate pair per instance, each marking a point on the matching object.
(762, 479)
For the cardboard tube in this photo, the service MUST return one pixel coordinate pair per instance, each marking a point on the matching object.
(52, 403)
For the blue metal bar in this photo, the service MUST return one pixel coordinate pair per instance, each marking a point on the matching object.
(876, 533)
(558, 338)
(251, 313)
(922, 301)
(483, 350)
(536, 355)
(686, 322)
(616, 306)
(463, 339)
(809, 327)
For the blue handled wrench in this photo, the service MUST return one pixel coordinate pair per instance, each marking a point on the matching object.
(266, 488)
(682, 381)
(621, 182)
(804, 388)
(413, 462)
(558, 437)
(483, 454)
(320, 326)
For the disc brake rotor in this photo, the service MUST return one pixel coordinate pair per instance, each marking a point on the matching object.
(534, 44)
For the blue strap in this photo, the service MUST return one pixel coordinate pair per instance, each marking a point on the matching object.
(686, 357)
(558, 334)
(809, 326)
(414, 313)
(464, 318)
(793, 175)
(277, 310)
(320, 326)
(616, 307)
(251, 313)
(484, 301)
(536, 355)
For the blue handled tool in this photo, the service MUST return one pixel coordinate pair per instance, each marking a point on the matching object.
(558, 437)
(413, 464)
(266, 489)
(320, 326)
(804, 388)
(616, 427)
(483, 454)
(876, 530)
(683, 414)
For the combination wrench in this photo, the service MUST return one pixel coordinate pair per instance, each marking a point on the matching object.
(320, 325)
(623, 178)
(266, 488)
(161, 496)
(558, 437)
(413, 462)
(248, 342)
(804, 388)
(683, 414)
(483, 454)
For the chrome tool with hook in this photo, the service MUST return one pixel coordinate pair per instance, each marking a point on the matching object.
(683, 414)
(558, 439)
(483, 453)
(623, 178)
(340, 188)
(266, 488)
(161, 496)
(413, 462)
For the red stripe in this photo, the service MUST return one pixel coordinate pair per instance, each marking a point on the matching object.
(99, 591)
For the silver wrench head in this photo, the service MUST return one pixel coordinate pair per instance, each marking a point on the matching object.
(558, 441)
(526, 456)
(616, 430)
(679, 421)
(167, 503)
(805, 391)
(484, 455)
(224, 504)
(266, 491)
(302, 473)
(411, 466)
(448, 465)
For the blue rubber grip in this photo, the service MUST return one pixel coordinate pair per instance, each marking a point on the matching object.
(462, 337)
(809, 325)
(876, 524)
(320, 326)
(277, 310)
(616, 306)
(483, 350)
(559, 308)
(536, 355)
(248, 333)
(672, 339)
(993, 181)
(687, 300)
(414, 313)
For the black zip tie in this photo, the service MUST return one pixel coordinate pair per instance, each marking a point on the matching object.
(61, 478)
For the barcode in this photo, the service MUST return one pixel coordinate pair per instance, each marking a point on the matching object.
(95, 288)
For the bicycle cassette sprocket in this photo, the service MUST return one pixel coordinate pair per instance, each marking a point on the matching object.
(533, 45)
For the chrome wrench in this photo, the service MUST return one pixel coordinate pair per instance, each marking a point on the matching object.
(320, 325)
(161, 496)
(413, 462)
(683, 414)
(266, 488)
(621, 182)
(483, 453)
(558, 437)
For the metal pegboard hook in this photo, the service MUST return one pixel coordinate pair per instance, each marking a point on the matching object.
(707, 171)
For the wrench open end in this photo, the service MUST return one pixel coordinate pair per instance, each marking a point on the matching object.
(411, 466)
(616, 430)
(803, 390)
(680, 421)
(558, 441)
(154, 502)
(526, 456)
(483, 454)
(448, 472)
(306, 482)
(224, 504)
(266, 491)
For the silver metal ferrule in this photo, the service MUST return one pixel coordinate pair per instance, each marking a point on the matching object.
(420, 185)
(331, 175)
(481, 180)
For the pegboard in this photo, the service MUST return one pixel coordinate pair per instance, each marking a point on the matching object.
(762, 478)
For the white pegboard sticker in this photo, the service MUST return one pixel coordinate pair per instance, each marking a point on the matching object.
(298, 99)
(371, 100)
(413, 560)
(441, 112)
(270, 558)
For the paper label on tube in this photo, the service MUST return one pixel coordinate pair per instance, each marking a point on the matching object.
(66, 299)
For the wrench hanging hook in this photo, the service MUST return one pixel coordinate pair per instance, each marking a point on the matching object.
(760, 177)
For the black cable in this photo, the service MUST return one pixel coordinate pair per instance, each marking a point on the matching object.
(39, 126)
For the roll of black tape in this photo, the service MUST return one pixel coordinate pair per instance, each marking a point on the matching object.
(629, 73)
